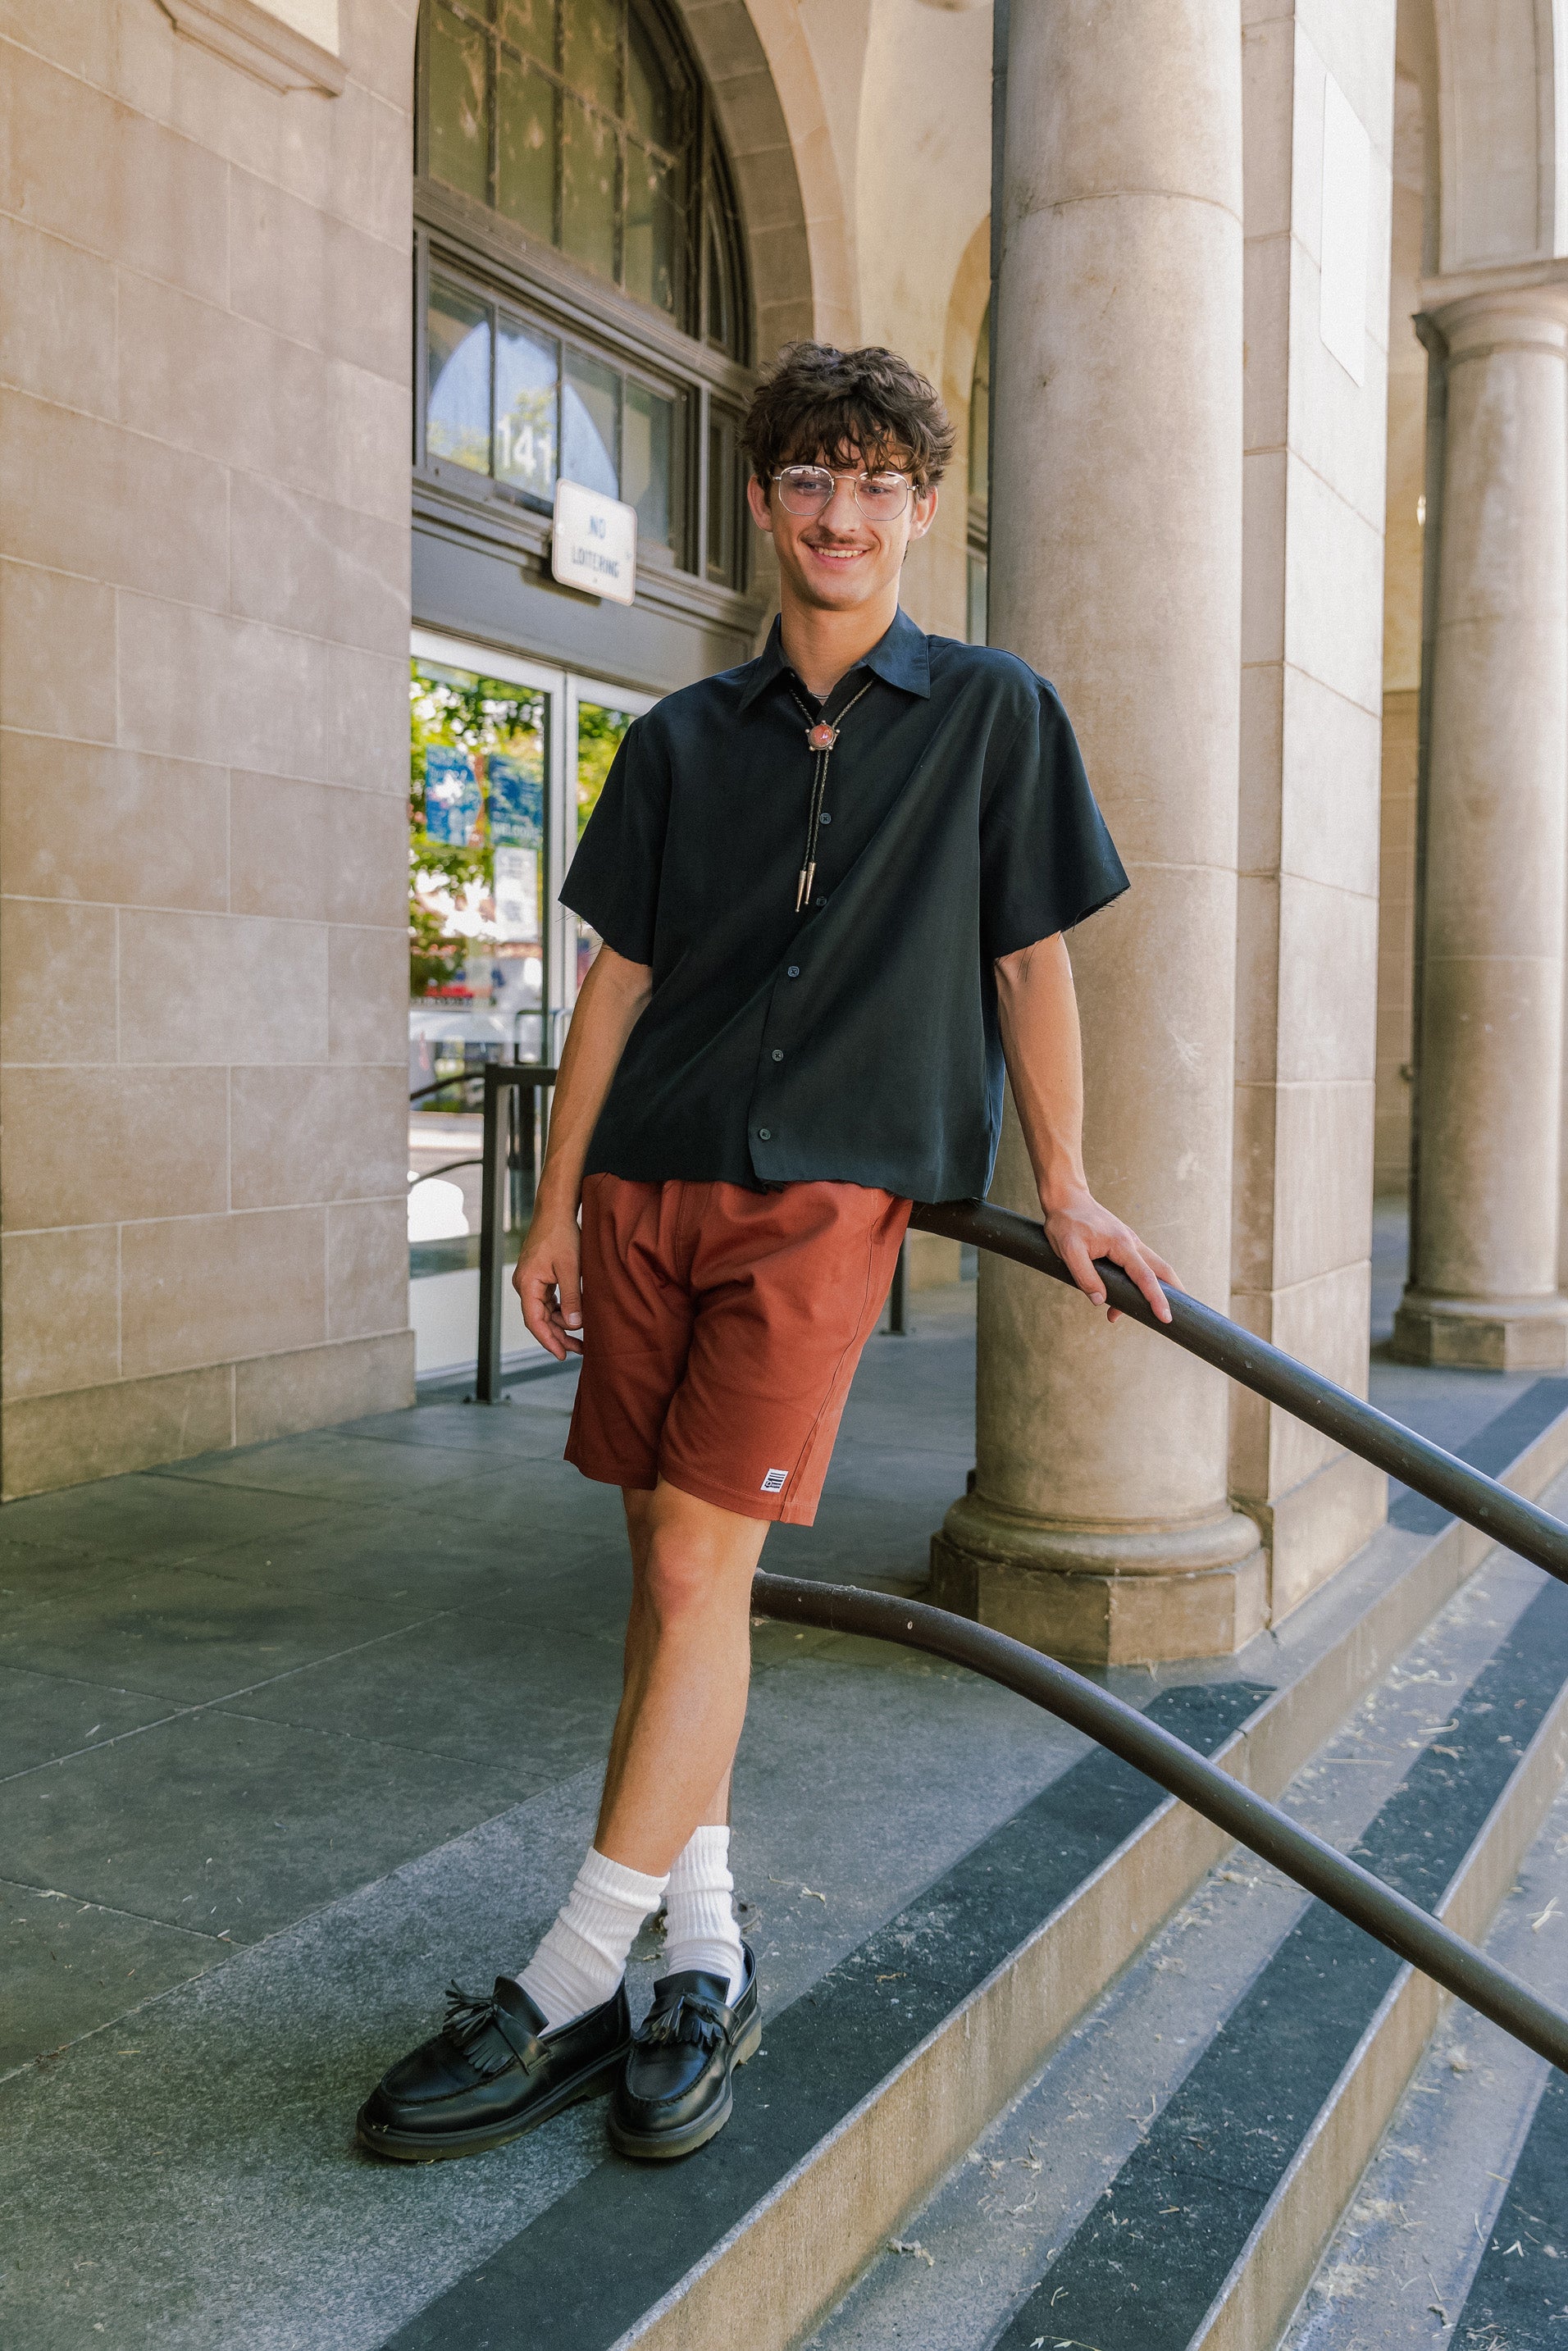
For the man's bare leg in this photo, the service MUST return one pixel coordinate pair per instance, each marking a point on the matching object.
(688, 1667)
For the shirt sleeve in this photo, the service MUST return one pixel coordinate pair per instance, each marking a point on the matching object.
(1047, 858)
(613, 879)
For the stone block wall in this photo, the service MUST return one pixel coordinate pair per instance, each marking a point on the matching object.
(204, 341)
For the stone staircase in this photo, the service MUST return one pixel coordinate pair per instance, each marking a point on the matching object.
(1103, 2083)
(1044, 2062)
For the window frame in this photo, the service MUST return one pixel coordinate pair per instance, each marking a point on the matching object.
(495, 262)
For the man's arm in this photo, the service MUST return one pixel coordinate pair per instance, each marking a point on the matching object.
(1041, 1043)
(547, 1277)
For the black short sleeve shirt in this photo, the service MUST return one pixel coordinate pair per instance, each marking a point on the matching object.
(855, 1041)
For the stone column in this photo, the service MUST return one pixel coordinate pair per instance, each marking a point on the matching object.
(1099, 1526)
(1483, 1260)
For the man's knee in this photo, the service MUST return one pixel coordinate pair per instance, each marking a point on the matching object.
(681, 1574)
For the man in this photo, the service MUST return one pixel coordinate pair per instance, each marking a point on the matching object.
(818, 953)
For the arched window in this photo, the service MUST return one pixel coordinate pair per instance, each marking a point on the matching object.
(583, 294)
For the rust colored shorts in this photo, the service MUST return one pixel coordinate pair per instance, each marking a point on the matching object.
(721, 1330)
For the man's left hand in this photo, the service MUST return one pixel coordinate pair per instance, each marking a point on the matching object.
(1083, 1230)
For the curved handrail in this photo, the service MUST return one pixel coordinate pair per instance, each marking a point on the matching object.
(445, 1085)
(1472, 1496)
(1407, 1929)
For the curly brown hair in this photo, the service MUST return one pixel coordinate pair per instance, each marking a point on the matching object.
(815, 402)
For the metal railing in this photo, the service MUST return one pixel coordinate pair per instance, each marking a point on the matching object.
(511, 1154)
(1360, 1428)
(1407, 1929)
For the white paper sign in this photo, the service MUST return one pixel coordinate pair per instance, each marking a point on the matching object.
(594, 545)
(518, 895)
(1348, 166)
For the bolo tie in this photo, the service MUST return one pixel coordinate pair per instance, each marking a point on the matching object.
(821, 733)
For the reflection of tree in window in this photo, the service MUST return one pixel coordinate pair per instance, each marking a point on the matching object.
(452, 903)
(599, 736)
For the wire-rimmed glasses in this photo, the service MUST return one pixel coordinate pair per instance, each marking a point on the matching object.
(809, 490)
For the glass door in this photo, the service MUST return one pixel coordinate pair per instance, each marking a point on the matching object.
(596, 717)
(486, 745)
(508, 758)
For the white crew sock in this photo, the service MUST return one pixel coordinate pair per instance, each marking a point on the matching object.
(583, 1956)
(699, 1917)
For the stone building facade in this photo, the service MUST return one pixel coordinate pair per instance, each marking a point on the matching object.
(1278, 423)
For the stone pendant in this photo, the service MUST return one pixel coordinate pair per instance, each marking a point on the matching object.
(821, 736)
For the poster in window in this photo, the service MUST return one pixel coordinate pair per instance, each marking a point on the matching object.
(451, 795)
(517, 803)
(516, 830)
(517, 897)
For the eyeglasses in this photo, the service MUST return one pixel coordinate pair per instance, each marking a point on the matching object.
(809, 490)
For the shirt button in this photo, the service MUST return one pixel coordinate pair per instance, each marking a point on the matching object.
(824, 818)
(794, 971)
(765, 1134)
(777, 1054)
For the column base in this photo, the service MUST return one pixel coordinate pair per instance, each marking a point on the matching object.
(1483, 1334)
(1104, 1595)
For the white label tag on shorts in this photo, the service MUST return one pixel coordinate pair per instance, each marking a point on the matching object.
(776, 1481)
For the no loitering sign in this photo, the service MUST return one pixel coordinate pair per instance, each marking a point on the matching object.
(595, 543)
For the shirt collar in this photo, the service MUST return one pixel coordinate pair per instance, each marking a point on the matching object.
(901, 658)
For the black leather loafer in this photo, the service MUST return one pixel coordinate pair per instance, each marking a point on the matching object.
(493, 2072)
(674, 2089)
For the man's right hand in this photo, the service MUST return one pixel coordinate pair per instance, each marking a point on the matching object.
(548, 1279)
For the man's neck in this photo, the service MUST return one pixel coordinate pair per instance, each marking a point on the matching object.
(822, 647)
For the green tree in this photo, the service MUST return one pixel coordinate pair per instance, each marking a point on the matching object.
(478, 714)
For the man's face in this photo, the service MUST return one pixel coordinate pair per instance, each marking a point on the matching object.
(843, 557)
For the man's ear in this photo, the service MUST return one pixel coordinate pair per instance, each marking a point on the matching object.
(756, 500)
(924, 514)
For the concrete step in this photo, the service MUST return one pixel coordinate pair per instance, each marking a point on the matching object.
(1458, 2230)
(942, 1883)
(878, 2079)
(1169, 2178)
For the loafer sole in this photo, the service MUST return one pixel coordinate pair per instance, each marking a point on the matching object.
(427, 2147)
(665, 2146)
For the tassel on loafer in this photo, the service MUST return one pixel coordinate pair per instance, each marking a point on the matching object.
(493, 2072)
(675, 2092)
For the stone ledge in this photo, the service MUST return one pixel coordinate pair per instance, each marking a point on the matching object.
(1111, 1595)
(260, 43)
(1276, 2265)
(53, 1441)
(1500, 1336)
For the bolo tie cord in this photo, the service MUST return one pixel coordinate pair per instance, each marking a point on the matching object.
(821, 733)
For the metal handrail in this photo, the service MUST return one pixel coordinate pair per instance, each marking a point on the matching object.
(1360, 1428)
(497, 1161)
(1412, 1933)
(1407, 1929)
(445, 1085)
